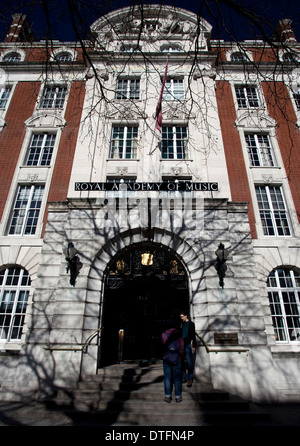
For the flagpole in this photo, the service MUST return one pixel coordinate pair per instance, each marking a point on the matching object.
(158, 113)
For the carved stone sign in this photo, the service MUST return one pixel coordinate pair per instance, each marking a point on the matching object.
(171, 186)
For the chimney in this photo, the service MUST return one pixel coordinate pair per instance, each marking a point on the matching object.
(20, 30)
(284, 31)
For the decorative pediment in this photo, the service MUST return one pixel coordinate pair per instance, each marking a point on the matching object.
(255, 120)
(124, 110)
(150, 21)
(45, 120)
(175, 110)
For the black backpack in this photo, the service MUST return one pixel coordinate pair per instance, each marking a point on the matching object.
(172, 352)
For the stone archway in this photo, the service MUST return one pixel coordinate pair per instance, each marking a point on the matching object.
(191, 257)
(145, 285)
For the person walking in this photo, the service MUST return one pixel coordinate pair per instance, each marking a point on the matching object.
(189, 339)
(173, 352)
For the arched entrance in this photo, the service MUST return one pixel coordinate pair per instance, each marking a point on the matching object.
(144, 287)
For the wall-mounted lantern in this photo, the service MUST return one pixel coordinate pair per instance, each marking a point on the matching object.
(220, 266)
(74, 263)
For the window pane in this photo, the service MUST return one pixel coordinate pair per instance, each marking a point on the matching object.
(124, 142)
(241, 98)
(173, 89)
(34, 210)
(272, 211)
(167, 142)
(277, 317)
(134, 89)
(53, 97)
(26, 210)
(252, 150)
(174, 142)
(247, 97)
(40, 150)
(14, 293)
(297, 100)
(128, 89)
(285, 304)
(4, 95)
(252, 97)
(237, 57)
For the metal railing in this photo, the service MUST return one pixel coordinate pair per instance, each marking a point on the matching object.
(79, 347)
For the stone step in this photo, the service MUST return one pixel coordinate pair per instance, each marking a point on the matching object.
(133, 395)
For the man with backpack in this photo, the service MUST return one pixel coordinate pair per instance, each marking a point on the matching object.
(173, 352)
(189, 339)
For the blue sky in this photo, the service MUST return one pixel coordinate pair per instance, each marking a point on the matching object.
(269, 11)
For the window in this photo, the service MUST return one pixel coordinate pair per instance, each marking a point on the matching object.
(246, 97)
(175, 48)
(272, 210)
(237, 57)
(4, 95)
(26, 210)
(290, 57)
(12, 57)
(40, 150)
(174, 142)
(284, 298)
(64, 57)
(297, 100)
(130, 48)
(53, 97)
(14, 292)
(259, 149)
(124, 142)
(173, 89)
(128, 89)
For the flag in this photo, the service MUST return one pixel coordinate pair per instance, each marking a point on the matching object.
(158, 113)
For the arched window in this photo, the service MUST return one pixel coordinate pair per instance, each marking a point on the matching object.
(171, 48)
(290, 57)
(64, 57)
(14, 292)
(237, 57)
(284, 297)
(12, 57)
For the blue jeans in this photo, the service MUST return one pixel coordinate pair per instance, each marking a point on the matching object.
(189, 356)
(172, 374)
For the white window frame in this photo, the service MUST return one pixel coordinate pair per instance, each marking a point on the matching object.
(12, 57)
(273, 212)
(259, 149)
(20, 215)
(10, 294)
(64, 56)
(119, 145)
(55, 102)
(173, 143)
(171, 48)
(245, 96)
(41, 152)
(174, 89)
(283, 288)
(128, 88)
(5, 93)
(296, 97)
(238, 56)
